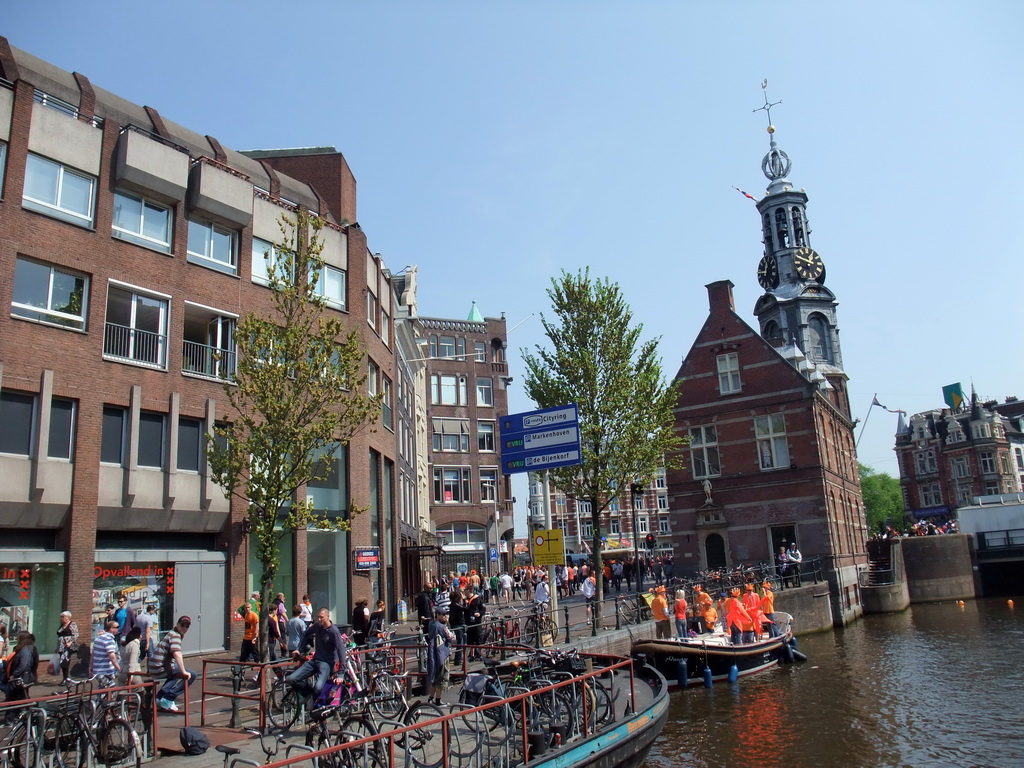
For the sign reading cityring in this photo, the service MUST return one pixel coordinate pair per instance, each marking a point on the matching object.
(366, 558)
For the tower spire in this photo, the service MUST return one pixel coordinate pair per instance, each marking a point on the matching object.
(776, 164)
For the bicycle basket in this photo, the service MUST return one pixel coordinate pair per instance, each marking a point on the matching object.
(573, 664)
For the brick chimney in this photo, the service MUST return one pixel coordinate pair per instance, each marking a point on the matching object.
(720, 296)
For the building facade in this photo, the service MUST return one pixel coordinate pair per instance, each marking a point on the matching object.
(948, 460)
(771, 457)
(470, 498)
(130, 248)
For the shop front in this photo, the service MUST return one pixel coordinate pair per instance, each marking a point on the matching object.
(32, 594)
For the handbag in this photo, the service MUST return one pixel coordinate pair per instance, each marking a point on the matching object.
(54, 666)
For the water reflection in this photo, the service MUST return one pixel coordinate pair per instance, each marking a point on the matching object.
(937, 685)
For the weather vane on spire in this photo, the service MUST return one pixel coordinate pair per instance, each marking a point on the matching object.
(767, 107)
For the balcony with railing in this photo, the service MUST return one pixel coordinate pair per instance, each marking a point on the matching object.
(208, 361)
(121, 342)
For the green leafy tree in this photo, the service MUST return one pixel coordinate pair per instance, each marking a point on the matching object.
(299, 392)
(597, 360)
(883, 499)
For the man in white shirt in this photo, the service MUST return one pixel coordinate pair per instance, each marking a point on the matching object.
(505, 584)
(795, 559)
(542, 592)
(589, 590)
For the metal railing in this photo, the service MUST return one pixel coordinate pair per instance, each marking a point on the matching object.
(126, 343)
(209, 361)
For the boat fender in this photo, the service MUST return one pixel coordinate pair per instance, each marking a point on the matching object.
(707, 677)
(787, 653)
(798, 655)
(681, 673)
(734, 673)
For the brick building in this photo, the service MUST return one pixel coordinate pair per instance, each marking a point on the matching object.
(467, 381)
(948, 459)
(129, 247)
(771, 456)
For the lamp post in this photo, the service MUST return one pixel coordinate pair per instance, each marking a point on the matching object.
(638, 492)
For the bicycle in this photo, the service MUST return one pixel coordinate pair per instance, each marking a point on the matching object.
(19, 746)
(87, 729)
(354, 727)
(539, 625)
(271, 752)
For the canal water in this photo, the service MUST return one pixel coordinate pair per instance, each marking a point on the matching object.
(936, 685)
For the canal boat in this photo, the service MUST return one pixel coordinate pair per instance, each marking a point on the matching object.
(712, 658)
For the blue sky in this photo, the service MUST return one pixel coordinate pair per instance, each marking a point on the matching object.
(497, 143)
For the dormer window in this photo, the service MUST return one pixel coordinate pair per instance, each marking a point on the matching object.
(981, 430)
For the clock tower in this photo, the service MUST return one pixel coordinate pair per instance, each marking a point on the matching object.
(796, 313)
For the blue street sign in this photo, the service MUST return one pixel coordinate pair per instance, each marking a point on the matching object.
(494, 553)
(542, 439)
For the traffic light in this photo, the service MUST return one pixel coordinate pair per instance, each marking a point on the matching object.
(651, 540)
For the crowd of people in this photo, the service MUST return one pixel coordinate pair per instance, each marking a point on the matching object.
(744, 617)
(920, 528)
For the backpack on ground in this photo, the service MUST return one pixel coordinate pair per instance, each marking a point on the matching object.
(193, 740)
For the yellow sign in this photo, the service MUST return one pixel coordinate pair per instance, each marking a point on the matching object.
(548, 548)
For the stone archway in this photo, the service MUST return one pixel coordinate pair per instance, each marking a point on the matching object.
(714, 551)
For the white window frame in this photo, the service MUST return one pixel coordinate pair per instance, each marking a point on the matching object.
(372, 306)
(486, 436)
(662, 502)
(265, 253)
(480, 351)
(643, 523)
(664, 526)
(138, 235)
(446, 347)
(772, 448)
(162, 337)
(444, 476)
(54, 206)
(961, 467)
(48, 314)
(334, 299)
(485, 392)
(931, 495)
(208, 258)
(705, 458)
(728, 366)
(387, 408)
(987, 462)
(614, 526)
(488, 485)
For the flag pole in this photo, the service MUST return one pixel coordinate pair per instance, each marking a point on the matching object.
(865, 424)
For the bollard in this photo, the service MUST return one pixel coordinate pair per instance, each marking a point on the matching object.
(566, 623)
(618, 616)
(236, 686)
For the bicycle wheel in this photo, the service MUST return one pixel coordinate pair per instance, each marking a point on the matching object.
(386, 697)
(119, 745)
(283, 705)
(424, 746)
(67, 741)
(320, 738)
(604, 702)
(17, 748)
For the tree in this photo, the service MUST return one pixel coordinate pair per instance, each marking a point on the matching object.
(298, 393)
(597, 361)
(883, 499)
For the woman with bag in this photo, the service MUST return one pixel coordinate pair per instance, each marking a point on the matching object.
(439, 650)
(131, 655)
(67, 644)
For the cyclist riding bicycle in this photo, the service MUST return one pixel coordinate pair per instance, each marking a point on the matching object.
(329, 655)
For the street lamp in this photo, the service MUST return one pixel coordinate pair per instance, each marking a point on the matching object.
(638, 493)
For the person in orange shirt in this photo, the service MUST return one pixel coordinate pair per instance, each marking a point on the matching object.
(680, 611)
(736, 617)
(768, 609)
(659, 607)
(708, 617)
(752, 602)
(252, 628)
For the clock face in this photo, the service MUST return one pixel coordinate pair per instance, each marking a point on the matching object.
(768, 273)
(808, 264)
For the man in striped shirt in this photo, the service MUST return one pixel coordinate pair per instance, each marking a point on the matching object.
(105, 664)
(167, 660)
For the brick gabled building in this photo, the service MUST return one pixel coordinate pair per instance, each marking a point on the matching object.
(771, 456)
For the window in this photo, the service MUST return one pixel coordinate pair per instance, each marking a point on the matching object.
(480, 351)
(987, 460)
(49, 294)
(1004, 463)
(489, 485)
(208, 346)
(3, 164)
(112, 440)
(190, 443)
(772, 450)
(659, 480)
(151, 439)
(385, 327)
(638, 501)
(451, 435)
(615, 526)
(451, 485)
(663, 502)
(704, 452)
(981, 430)
(463, 533)
(267, 260)
(136, 327)
(643, 524)
(960, 467)
(663, 526)
(331, 286)
(485, 435)
(387, 409)
(485, 392)
(52, 189)
(931, 495)
(956, 434)
(371, 309)
(446, 346)
(728, 373)
(212, 246)
(447, 390)
(925, 462)
(964, 496)
(16, 412)
(588, 529)
(372, 375)
(142, 221)
(62, 425)
(330, 490)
